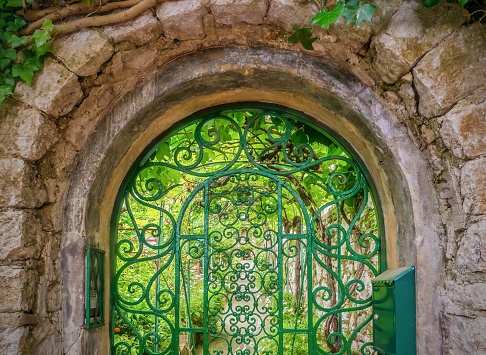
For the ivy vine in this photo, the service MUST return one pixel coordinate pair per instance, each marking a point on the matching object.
(24, 46)
(355, 12)
(20, 55)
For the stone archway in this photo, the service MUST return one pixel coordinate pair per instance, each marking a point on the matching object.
(221, 76)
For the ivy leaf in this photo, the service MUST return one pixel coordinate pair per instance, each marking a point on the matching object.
(25, 71)
(351, 3)
(16, 24)
(41, 50)
(324, 18)
(350, 14)
(463, 2)
(8, 53)
(48, 26)
(15, 41)
(41, 37)
(365, 13)
(5, 90)
(3, 23)
(430, 3)
(303, 36)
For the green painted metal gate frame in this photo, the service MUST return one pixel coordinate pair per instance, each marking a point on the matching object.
(242, 181)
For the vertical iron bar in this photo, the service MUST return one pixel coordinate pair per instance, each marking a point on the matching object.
(279, 268)
(206, 268)
(157, 285)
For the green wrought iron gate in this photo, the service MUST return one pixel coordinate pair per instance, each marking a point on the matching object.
(245, 231)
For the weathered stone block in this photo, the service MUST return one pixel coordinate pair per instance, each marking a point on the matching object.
(55, 90)
(16, 293)
(411, 32)
(471, 256)
(25, 132)
(143, 29)
(229, 12)
(464, 129)
(18, 229)
(19, 185)
(473, 186)
(191, 11)
(83, 52)
(287, 13)
(451, 71)
(465, 334)
(11, 340)
(469, 295)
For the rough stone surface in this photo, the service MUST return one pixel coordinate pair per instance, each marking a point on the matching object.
(465, 334)
(16, 292)
(442, 79)
(55, 89)
(287, 13)
(18, 229)
(473, 186)
(464, 129)
(83, 52)
(191, 11)
(19, 185)
(229, 12)
(11, 340)
(469, 295)
(140, 30)
(25, 132)
(411, 32)
(471, 256)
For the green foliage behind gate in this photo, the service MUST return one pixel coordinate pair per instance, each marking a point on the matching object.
(245, 231)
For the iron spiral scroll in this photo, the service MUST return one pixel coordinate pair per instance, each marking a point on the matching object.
(246, 231)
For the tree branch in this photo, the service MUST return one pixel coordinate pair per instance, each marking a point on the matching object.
(96, 21)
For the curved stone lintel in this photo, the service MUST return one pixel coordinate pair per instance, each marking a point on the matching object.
(333, 97)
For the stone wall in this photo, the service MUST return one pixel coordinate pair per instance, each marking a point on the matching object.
(426, 66)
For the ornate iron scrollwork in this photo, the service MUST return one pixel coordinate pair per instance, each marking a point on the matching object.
(248, 232)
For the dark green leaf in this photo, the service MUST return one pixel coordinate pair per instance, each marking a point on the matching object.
(365, 13)
(5, 90)
(25, 71)
(15, 24)
(4, 62)
(41, 50)
(463, 2)
(8, 53)
(430, 3)
(15, 41)
(303, 36)
(14, 3)
(299, 137)
(325, 18)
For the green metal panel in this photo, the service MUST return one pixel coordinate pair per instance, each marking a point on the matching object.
(243, 232)
(95, 285)
(394, 312)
